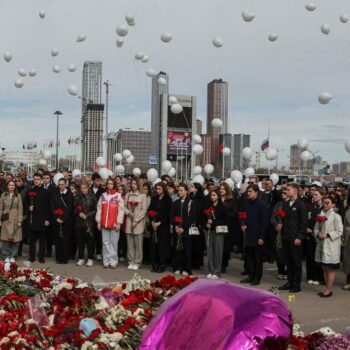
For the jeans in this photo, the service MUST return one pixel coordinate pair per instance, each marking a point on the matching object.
(110, 238)
(9, 249)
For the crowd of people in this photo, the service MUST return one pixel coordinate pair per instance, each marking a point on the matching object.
(127, 219)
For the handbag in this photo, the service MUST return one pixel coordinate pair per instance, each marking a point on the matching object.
(193, 231)
(220, 230)
(6, 216)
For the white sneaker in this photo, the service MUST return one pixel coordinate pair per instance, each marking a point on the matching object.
(214, 277)
(136, 267)
(114, 266)
(130, 267)
(177, 272)
(98, 257)
(184, 273)
(12, 260)
(209, 276)
(316, 283)
(7, 260)
(106, 266)
(90, 263)
(310, 282)
(280, 277)
(80, 262)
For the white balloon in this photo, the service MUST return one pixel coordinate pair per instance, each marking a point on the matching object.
(198, 179)
(56, 68)
(230, 182)
(271, 154)
(247, 153)
(118, 157)
(172, 172)
(57, 177)
(162, 81)
(236, 176)
(172, 100)
(119, 42)
(217, 123)
(72, 68)
(156, 181)
(344, 18)
(136, 172)
(122, 30)
(305, 156)
(32, 72)
(139, 56)
(104, 173)
(22, 72)
(248, 16)
(100, 161)
(73, 90)
(47, 154)
(325, 29)
(129, 18)
(273, 37)
(197, 149)
(226, 151)
(310, 6)
(166, 37)
(303, 143)
(42, 14)
(208, 169)
(274, 178)
(151, 72)
(176, 108)
(55, 52)
(347, 146)
(76, 173)
(197, 139)
(81, 37)
(166, 166)
(120, 169)
(249, 172)
(8, 56)
(324, 98)
(19, 83)
(197, 170)
(130, 159)
(145, 59)
(126, 153)
(42, 162)
(152, 174)
(218, 41)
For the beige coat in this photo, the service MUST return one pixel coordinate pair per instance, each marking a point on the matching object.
(11, 229)
(140, 212)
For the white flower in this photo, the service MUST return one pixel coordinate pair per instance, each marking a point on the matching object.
(327, 331)
(297, 330)
(4, 340)
(82, 285)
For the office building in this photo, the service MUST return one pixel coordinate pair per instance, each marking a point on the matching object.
(199, 126)
(225, 140)
(240, 141)
(205, 157)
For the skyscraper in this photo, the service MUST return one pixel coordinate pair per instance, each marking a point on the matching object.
(226, 140)
(240, 141)
(217, 107)
(92, 114)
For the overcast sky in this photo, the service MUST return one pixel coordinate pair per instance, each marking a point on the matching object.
(279, 80)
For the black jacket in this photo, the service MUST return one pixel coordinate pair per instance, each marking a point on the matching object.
(257, 221)
(88, 207)
(41, 213)
(219, 216)
(271, 199)
(163, 208)
(98, 193)
(295, 221)
(64, 202)
(187, 211)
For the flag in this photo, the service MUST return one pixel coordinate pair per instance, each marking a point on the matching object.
(220, 147)
(77, 140)
(24, 147)
(265, 144)
(69, 141)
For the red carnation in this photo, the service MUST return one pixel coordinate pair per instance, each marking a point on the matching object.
(320, 218)
(32, 194)
(152, 213)
(208, 211)
(78, 208)
(178, 219)
(59, 212)
(281, 213)
(242, 215)
(133, 204)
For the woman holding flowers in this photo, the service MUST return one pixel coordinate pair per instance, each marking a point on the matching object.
(328, 231)
(135, 211)
(11, 217)
(159, 216)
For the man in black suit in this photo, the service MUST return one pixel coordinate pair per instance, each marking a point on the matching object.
(37, 204)
(293, 229)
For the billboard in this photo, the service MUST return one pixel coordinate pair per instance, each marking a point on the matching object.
(179, 142)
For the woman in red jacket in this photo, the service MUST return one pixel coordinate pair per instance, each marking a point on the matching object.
(109, 217)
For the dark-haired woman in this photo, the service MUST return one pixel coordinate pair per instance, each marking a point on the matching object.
(147, 190)
(159, 216)
(11, 217)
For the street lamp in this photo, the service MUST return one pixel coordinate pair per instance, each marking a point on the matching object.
(57, 114)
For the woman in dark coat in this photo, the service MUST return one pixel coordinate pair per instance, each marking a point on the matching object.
(183, 216)
(198, 242)
(62, 204)
(230, 204)
(159, 215)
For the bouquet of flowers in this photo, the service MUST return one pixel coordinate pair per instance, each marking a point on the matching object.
(280, 214)
(179, 243)
(59, 212)
(153, 214)
(31, 195)
(210, 213)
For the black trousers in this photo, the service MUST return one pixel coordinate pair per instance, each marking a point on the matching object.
(62, 244)
(50, 240)
(73, 243)
(293, 255)
(182, 253)
(159, 249)
(98, 241)
(254, 258)
(269, 246)
(33, 237)
(314, 270)
(85, 239)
